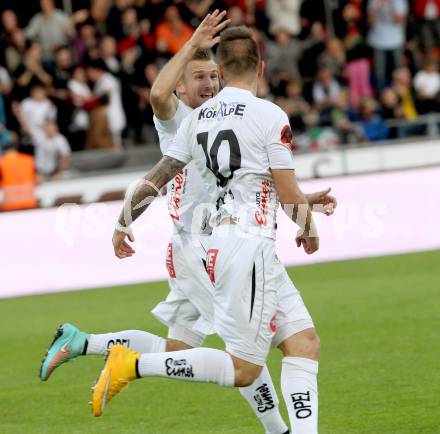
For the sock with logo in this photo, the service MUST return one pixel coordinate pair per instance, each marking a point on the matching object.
(263, 399)
(206, 365)
(137, 340)
(300, 391)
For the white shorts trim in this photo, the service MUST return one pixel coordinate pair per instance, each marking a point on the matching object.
(185, 335)
(290, 329)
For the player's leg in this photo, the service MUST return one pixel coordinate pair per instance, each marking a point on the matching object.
(191, 274)
(263, 399)
(297, 339)
(244, 305)
(70, 342)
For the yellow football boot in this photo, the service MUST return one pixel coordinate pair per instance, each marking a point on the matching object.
(119, 370)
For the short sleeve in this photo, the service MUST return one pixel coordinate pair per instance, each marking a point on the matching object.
(167, 128)
(180, 147)
(280, 143)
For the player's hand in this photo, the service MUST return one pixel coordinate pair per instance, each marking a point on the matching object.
(322, 201)
(121, 247)
(310, 244)
(204, 36)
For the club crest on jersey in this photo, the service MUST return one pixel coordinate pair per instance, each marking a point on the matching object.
(221, 110)
(178, 184)
(211, 259)
(287, 137)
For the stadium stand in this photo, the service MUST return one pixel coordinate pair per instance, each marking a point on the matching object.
(345, 71)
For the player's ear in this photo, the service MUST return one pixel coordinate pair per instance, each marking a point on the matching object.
(180, 88)
(221, 72)
(261, 68)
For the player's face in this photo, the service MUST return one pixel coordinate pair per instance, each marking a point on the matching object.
(199, 83)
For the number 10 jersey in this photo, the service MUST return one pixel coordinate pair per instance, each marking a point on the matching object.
(235, 139)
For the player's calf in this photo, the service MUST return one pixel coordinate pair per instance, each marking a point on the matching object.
(299, 380)
(174, 345)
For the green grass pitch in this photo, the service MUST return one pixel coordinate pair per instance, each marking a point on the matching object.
(378, 319)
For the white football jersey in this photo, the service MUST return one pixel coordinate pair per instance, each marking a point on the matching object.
(235, 139)
(187, 190)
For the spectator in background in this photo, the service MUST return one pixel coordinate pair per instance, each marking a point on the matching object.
(391, 107)
(358, 68)
(326, 93)
(80, 94)
(402, 85)
(427, 13)
(284, 15)
(297, 108)
(144, 84)
(236, 15)
(15, 50)
(108, 53)
(17, 179)
(37, 109)
(97, 14)
(130, 30)
(108, 87)
(9, 24)
(387, 20)
(52, 150)
(85, 43)
(283, 56)
(334, 57)
(51, 28)
(30, 72)
(313, 47)
(61, 71)
(427, 87)
(373, 126)
(172, 32)
(114, 18)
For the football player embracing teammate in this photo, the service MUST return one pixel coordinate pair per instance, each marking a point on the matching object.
(188, 310)
(241, 146)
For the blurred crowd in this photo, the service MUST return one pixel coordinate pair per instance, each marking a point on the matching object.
(340, 69)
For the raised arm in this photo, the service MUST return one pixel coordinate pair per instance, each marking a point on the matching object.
(163, 100)
(295, 204)
(139, 198)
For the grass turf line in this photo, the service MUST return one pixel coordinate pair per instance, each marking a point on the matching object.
(378, 320)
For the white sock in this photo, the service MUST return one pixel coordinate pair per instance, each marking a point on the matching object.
(263, 399)
(206, 365)
(300, 392)
(137, 340)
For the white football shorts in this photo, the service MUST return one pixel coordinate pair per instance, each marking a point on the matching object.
(255, 302)
(188, 310)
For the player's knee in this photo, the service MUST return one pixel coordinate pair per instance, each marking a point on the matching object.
(245, 377)
(245, 373)
(173, 345)
(304, 344)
